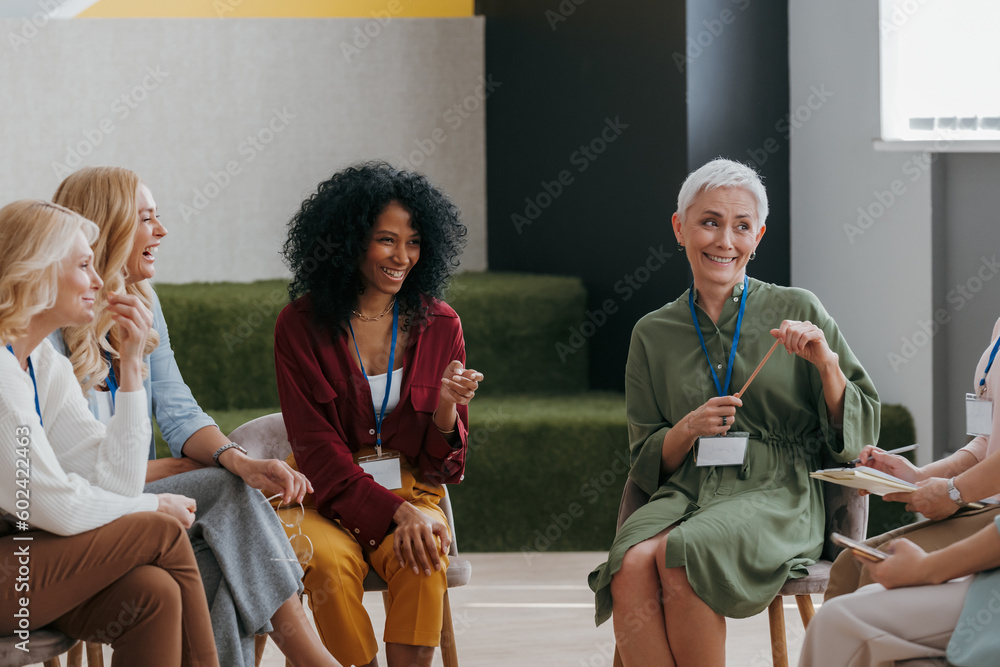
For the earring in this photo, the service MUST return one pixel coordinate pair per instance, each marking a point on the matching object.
(753, 255)
(680, 247)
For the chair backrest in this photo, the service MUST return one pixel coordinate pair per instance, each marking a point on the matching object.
(846, 512)
(266, 438)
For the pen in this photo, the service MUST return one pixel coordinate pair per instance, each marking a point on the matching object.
(900, 450)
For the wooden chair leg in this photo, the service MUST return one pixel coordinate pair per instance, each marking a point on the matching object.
(74, 656)
(806, 609)
(259, 643)
(618, 659)
(776, 620)
(52, 662)
(449, 650)
(95, 654)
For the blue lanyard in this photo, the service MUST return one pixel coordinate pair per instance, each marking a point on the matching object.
(388, 381)
(110, 380)
(736, 337)
(31, 372)
(993, 354)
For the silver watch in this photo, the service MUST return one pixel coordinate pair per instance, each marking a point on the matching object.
(953, 492)
(218, 452)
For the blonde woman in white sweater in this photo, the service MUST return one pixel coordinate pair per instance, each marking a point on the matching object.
(104, 561)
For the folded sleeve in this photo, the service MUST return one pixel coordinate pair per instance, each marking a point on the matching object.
(647, 427)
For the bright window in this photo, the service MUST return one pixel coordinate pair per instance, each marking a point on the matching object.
(940, 66)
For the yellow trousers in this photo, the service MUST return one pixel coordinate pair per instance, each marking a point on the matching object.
(334, 583)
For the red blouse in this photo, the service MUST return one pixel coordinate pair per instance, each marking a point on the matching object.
(327, 407)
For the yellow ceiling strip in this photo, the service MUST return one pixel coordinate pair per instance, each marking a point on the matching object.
(278, 8)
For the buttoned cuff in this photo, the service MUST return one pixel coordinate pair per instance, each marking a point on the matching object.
(371, 523)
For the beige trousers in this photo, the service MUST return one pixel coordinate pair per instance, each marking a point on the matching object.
(875, 627)
(847, 575)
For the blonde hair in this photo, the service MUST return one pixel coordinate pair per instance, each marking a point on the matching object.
(108, 196)
(35, 236)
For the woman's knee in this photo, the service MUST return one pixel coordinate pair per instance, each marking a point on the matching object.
(638, 564)
(146, 596)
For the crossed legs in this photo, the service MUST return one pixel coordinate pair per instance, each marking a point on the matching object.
(658, 618)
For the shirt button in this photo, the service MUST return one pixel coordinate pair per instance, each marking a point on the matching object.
(371, 431)
(735, 299)
(461, 478)
(357, 530)
(372, 543)
(719, 367)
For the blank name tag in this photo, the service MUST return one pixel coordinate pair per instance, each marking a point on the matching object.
(978, 415)
(722, 450)
(385, 470)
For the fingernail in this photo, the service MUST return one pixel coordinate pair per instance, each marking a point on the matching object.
(415, 570)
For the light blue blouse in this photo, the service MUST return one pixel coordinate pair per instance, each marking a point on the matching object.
(976, 640)
(168, 398)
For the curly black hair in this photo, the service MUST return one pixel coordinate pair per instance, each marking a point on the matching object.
(331, 231)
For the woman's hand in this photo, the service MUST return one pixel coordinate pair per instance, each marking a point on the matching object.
(458, 384)
(271, 476)
(458, 387)
(414, 541)
(907, 565)
(894, 464)
(134, 321)
(714, 417)
(930, 499)
(181, 508)
(807, 341)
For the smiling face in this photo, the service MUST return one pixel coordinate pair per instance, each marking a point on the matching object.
(719, 232)
(147, 238)
(78, 286)
(392, 252)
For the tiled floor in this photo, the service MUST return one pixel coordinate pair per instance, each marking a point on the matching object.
(539, 612)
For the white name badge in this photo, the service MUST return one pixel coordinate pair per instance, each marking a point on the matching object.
(722, 450)
(385, 470)
(978, 415)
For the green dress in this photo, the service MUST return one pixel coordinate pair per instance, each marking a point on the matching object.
(745, 529)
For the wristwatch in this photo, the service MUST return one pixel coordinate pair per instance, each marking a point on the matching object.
(218, 452)
(953, 492)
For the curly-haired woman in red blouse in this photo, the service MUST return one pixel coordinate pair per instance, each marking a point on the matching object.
(374, 392)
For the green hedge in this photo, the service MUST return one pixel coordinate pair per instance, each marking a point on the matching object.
(512, 324)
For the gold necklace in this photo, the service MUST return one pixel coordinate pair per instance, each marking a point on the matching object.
(365, 318)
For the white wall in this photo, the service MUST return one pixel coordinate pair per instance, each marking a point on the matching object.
(196, 92)
(876, 281)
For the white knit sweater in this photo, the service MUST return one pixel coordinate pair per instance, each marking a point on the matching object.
(79, 474)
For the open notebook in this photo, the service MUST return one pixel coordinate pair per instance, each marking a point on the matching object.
(869, 479)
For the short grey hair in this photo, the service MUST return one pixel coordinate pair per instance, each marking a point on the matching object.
(722, 173)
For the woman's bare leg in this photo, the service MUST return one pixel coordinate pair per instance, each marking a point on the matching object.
(297, 639)
(405, 655)
(697, 634)
(637, 606)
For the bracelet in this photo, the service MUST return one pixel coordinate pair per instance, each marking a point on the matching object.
(218, 452)
(443, 432)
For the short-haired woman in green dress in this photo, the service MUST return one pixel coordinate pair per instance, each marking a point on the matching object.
(719, 541)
